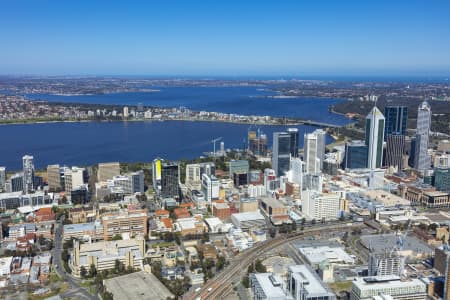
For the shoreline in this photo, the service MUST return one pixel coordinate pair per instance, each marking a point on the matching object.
(294, 123)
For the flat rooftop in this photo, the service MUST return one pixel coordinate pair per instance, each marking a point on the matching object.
(139, 285)
(385, 198)
(270, 290)
(318, 254)
(315, 286)
(380, 243)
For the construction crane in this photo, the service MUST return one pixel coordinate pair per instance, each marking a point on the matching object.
(214, 143)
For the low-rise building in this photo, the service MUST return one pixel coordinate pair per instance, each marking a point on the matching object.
(304, 284)
(248, 220)
(268, 286)
(369, 287)
(103, 255)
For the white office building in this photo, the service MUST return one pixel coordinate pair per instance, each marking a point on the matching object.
(421, 158)
(193, 178)
(210, 187)
(304, 284)
(367, 288)
(73, 178)
(2, 179)
(375, 138)
(28, 173)
(268, 286)
(320, 206)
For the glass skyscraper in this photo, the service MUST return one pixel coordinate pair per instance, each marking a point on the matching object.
(374, 138)
(422, 160)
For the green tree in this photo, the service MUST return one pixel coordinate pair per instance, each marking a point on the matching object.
(259, 267)
(246, 282)
(83, 272)
(92, 271)
(117, 237)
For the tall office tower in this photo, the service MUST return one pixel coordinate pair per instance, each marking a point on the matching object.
(281, 152)
(137, 181)
(208, 168)
(355, 155)
(193, 177)
(156, 174)
(73, 178)
(321, 135)
(125, 112)
(28, 173)
(16, 181)
(374, 138)
(210, 187)
(297, 171)
(311, 147)
(422, 160)
(394, 135)
(293, 132)
(54, 178)
(395, 146)
(396, 120)
(169, 180)
(108, 170)
(2, 178)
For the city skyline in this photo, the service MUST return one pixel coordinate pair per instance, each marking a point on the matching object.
(228, 38)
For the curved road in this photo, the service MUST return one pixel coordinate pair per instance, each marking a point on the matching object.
(75, 291)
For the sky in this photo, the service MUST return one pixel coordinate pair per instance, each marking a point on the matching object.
(229, 37)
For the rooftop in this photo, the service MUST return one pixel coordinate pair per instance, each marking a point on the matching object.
(381, 243)
(248, 216)
(139, 285)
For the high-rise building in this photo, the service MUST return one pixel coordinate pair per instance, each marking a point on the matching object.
(17, 182)
(314, 151)
(394, 134)
(210, 187)
(137, 181)
(293, 132)
(374, 138)
(193, 178)
(54, 177)
(125, 112)
(281, 152)
(73, 178)
(2, 178)
(396, 120)
(356, 153)
(422, 160)
(28, 173)
(239, 167)
(257, 142)
(208, 168)
(297, 171)
(156, 174)
(442, 179)
(395, 146)
(170, 180)
(108, 171)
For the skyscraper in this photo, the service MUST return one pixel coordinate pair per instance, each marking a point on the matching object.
(314, 151)
(374, 138)
(281, 152)
(355, 155)
(2, 178)
(422, 160)
(293, 132)
(395, 146)
(28, 173)
(394, 135)
(396, 120)
(170, 180)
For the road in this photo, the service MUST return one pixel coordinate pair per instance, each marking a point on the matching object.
(222, 283)
(75, 290)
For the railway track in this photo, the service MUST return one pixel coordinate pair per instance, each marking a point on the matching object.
(221, 285)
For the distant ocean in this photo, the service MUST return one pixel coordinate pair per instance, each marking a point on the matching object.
(87, 143)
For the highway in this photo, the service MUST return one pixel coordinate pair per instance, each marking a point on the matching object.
(222, 284)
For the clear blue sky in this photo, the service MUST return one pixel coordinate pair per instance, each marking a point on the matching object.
(227, 37)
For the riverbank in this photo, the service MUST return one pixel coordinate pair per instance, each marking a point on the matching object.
(259, 121)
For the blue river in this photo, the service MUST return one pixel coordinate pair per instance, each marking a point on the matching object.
(87, 143)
